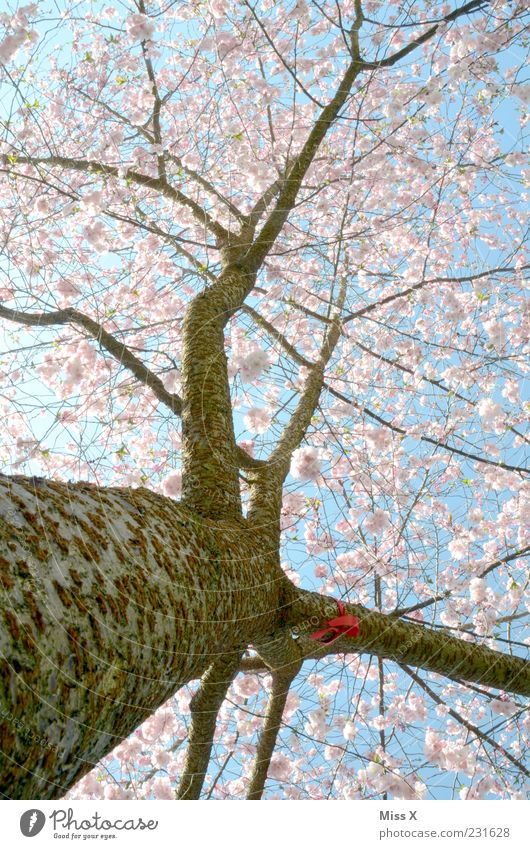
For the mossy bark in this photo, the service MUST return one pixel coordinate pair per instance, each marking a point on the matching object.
(111, 600)
(114, 598)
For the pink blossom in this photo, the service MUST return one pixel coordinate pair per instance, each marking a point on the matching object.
(97, 235)
(171, 380)
(377, 522)
(10, 45)
(114, 791)
(247, 685)
(478, 590)
(41, 205)
(292, 704)
(459, 547)
(162, 789)
(257, 419)
(139, 27)
(218, 8)
(172, 484)
(488, 784)
(247, 445)
(280, 767)
(253, 365)
(306, 463)
(160, 725)
(129, 749)
(503, 707)
(331, 753)
(294, 503)
(161, 759)
(496, 331)
(490, 411)
(523, 93)
(316, 724)
(349, 731)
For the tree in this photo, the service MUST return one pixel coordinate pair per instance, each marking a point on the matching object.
(263, 276)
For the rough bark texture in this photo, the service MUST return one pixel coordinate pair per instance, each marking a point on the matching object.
(210, 471)
(418, 645)
(205, 706)
(112, 599)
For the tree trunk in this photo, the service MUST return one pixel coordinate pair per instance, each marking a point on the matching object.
(113, 599)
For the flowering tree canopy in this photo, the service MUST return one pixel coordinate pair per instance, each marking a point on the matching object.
(265, 502)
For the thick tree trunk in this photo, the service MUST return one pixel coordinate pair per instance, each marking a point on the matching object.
(112, 599)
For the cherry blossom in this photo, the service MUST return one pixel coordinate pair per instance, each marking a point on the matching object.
(138, 147)
(306, 463)
(139, 27)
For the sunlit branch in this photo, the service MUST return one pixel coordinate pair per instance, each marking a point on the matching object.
(106, 340)
(157, 184)
(406, 642)
(204, 707)
(477, 732)
(473, 6)
(405, 611)
(390, 638)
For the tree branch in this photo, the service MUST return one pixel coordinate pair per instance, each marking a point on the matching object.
(481, 735)
(205, 706)
(473, 6)
(293, 182)
(266, 488)
(158, 184)
(422, 283)
(107, 341)
(122, 354)
(407, 642)
(269, 734)
(283, 657)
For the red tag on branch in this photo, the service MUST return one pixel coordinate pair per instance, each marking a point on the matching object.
(343, 625)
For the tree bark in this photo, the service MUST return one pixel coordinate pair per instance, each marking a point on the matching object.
(112, 599)
(387, 636)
